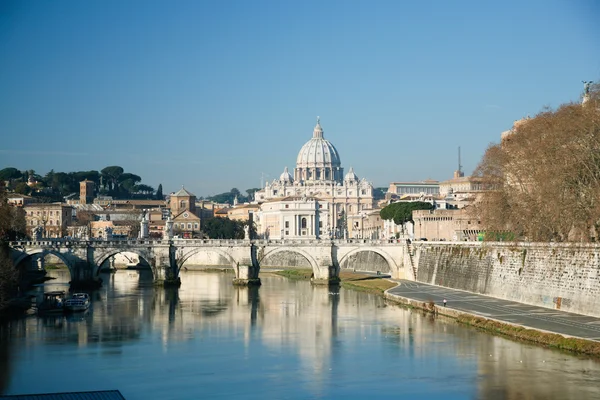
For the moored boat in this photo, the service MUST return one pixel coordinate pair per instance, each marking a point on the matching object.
(52, 303)
(78, 302)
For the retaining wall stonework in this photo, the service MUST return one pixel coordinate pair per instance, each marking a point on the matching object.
(559, 276)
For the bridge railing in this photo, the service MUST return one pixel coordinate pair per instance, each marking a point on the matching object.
(98, 242)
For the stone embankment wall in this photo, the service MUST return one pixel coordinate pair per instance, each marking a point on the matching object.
(559, 276)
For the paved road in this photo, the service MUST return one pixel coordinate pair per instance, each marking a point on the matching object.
(504, 310)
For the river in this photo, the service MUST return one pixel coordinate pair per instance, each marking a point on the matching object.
(284, 340)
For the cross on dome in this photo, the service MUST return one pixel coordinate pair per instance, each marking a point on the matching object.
(318, 131)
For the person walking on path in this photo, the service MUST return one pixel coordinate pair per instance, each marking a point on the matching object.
(444, 302)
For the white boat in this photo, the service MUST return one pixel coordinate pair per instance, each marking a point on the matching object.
(78, 302)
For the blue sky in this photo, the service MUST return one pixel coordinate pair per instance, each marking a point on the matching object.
(214, 94)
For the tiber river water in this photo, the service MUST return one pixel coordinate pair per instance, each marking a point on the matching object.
(286, 340)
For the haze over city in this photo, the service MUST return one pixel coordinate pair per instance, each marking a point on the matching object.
(219, 95)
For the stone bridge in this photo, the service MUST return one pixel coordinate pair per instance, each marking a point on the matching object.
(85, 258)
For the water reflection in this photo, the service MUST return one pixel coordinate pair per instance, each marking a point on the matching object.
(286, 339)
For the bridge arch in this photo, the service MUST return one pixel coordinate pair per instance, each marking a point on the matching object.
(113, 252)
(187, 255)
(272, 252)
(29, 253)
(390, 261)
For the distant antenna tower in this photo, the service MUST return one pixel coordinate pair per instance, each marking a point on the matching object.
(262, 179)
(459, 173)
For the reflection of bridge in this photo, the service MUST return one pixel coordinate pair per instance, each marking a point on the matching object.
(166, 257)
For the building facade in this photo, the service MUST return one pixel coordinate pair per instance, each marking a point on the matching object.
(450, 225)
(426, 187)
(50, 219)
(293, 217)
(319, 175)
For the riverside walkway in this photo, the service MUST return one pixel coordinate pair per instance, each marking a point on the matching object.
(540, 318)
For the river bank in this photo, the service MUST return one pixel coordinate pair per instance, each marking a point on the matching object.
(349, 280)
(384, 287)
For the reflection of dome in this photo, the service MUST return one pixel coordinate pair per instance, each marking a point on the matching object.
(351, 176)
(318, 152)
(318, 160)
(286, 176)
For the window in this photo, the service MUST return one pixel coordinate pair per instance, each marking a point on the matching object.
(189, 225)
(303, 223)
(287, 232)
(363, 191)
(320, 224)
(195, 225)
(182, 204)
(287, 224)
(287, 206)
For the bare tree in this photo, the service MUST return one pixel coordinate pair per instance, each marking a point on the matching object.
(544, 177)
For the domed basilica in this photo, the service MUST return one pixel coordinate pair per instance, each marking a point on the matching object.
(317, 200)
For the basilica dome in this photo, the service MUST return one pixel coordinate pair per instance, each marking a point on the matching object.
(318, 159)
(351, 176)
(286, 176)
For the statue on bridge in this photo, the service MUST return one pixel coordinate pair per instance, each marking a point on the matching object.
(168, 231)
(82, 233)
(586, 87)
(108, 233)
(38, 232)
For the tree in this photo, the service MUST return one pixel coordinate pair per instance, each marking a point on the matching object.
(251, 193)
(110, 176)
(379, 193)
(159, 192)
(9, 277)
(22, 188)
(10, 174)
(143, 191)
(228, 197)
(401, 212)
(224, 228)
(12, 227)
(544, 177)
